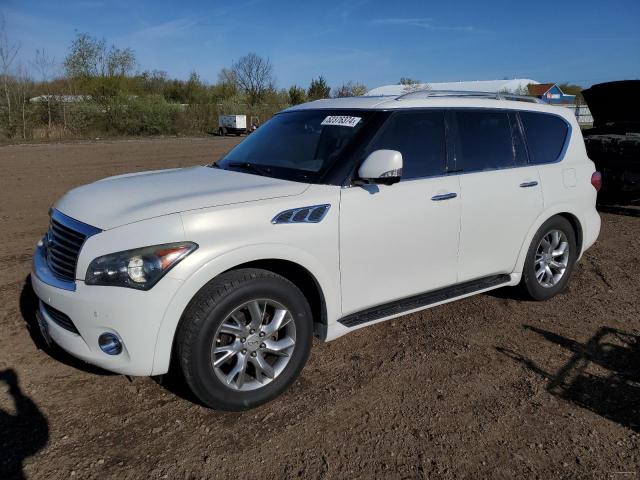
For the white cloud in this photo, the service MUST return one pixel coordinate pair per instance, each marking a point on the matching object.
(422, 22)
(162, 30)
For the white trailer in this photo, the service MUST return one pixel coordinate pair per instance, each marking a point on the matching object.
(232, 124)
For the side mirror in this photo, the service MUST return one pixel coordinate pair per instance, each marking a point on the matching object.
(382, 166)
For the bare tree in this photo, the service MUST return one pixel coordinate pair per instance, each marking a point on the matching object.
(120, 61)
(254, 75)
(227, 83)
(89, 57)
(8, 52)
(350, 89)
(412, 85)
(45, 65)
(24, 83)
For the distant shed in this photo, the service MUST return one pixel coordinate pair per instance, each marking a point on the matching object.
(551, 93)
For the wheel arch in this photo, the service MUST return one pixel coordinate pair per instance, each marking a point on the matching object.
(577, 229)
(301, 269)
(301, 278)
(561, 211)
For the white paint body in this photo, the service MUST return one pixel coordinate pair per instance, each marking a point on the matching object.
(377, 243)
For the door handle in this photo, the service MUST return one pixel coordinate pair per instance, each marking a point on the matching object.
(528, 184)
(444, 196)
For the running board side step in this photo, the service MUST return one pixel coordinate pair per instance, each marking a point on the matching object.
(422, 300)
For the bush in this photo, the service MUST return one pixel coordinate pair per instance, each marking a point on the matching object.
(150, 115)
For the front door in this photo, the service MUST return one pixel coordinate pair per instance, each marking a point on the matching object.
(400, 240)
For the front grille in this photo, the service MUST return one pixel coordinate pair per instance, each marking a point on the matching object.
(60, 318)
(62, 245)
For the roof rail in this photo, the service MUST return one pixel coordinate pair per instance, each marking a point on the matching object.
(427, 93)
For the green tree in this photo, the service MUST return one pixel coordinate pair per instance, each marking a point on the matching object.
(297, 95)
(96, 68)
(570, 88)
(408, 81)
(195, 89)
(227, 85)
(318, 89)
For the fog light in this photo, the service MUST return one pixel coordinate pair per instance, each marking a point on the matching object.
(110, 344)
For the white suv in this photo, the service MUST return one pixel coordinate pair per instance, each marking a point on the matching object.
(334, 215)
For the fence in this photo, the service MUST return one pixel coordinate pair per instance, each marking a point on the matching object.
(582, 113)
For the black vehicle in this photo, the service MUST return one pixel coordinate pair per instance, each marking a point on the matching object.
(614, 141)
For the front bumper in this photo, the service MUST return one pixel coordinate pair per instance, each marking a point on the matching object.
(134, 316)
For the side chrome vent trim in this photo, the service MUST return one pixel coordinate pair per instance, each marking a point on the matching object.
(311, 214)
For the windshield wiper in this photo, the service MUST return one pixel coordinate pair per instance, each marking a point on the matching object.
(250, 167)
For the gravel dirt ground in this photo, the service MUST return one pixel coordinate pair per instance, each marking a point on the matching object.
(488, 387)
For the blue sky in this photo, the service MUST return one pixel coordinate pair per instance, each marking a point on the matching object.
(374, 42)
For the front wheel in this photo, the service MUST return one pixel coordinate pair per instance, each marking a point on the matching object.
(550, 259)
(244, 339)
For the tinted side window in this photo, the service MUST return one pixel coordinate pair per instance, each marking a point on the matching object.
(545, 135)
(420, 137)
(485, 141)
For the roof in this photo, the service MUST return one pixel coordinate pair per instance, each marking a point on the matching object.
(540, 89)
(415, 100)
(512, 85)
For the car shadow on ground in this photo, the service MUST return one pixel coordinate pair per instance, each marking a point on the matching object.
(172, 381)
(603, 374)
(28, 307)
(509, 293)
(23, 432)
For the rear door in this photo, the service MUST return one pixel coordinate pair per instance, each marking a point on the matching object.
(402, 239)
(501, 193)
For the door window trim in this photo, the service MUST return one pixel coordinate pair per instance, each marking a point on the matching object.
(351, 180)
(452, 139)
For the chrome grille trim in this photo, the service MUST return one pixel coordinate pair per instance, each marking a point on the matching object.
(62, 244)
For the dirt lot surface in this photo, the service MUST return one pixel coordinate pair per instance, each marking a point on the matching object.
(488, 387)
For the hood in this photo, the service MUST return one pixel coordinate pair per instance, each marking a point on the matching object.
(614, 103)
(129, 198)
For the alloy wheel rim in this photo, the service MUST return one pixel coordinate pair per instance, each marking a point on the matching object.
(253, 345)
(551, 258)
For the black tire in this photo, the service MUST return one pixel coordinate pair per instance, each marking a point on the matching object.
(529, 283)
(210, 307)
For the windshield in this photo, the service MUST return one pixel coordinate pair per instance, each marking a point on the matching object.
(296, 145)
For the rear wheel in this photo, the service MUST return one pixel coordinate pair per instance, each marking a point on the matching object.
(244, 339)
(550, 259)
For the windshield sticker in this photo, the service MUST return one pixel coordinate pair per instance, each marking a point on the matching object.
(341, 121)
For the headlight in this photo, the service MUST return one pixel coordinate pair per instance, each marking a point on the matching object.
(140, 268)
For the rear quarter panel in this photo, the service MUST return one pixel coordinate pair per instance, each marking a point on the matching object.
(566, 188)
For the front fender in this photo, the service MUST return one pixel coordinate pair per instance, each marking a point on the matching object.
(227, 261)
